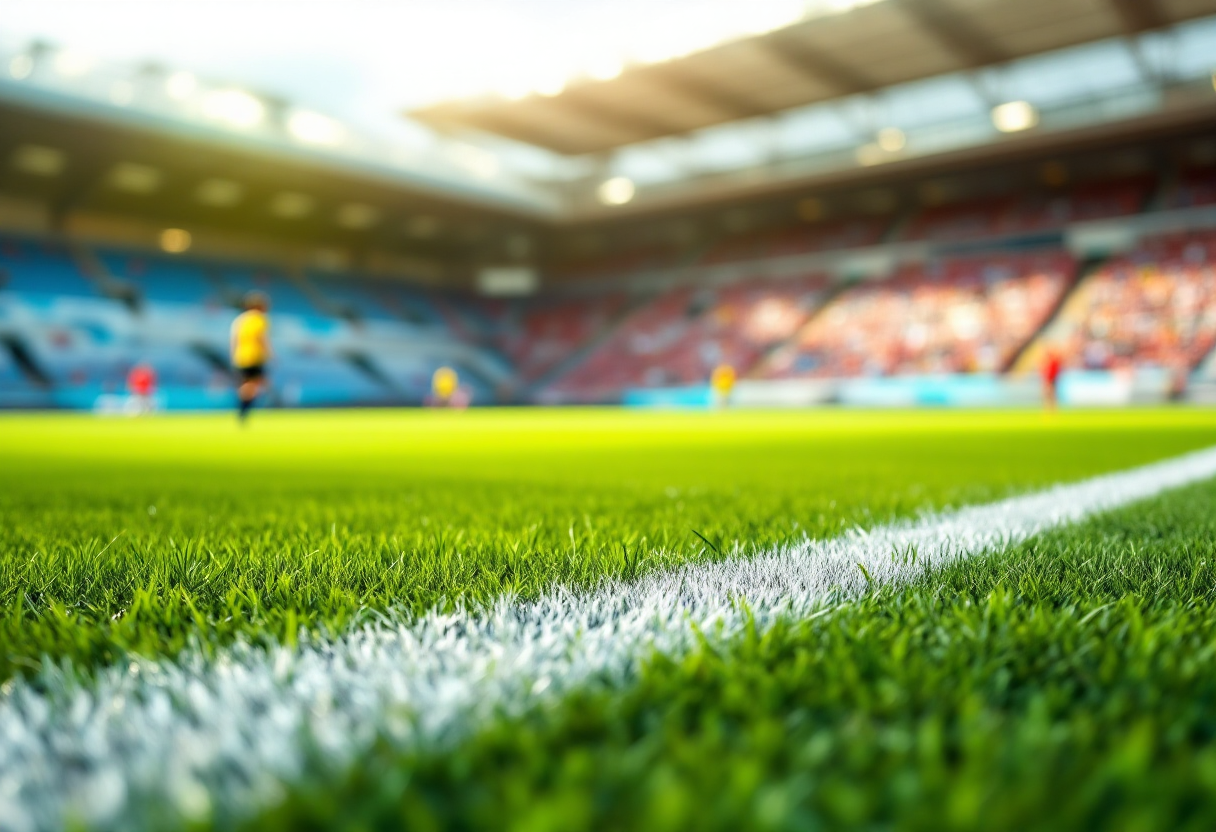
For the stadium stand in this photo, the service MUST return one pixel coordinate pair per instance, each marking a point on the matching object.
(679, 337)
(79, 344)
(41, 270)
(161, 280)
(951, 316)
(806, 239)
(1195, 187)
(1152, 308)
(538, 334)
(1010, 216)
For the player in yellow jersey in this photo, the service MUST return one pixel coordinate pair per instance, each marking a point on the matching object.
(722, 382)
(251, 350)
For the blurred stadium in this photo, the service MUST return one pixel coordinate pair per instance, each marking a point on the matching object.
(883, 589)
(879, 203)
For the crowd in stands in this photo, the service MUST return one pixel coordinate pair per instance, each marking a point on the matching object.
(539, 335)
(680, 336)
(951, 316)
(74, 320)
(1155, 307)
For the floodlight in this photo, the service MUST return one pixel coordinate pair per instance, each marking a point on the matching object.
(72, 64)
(616, 191)
(892, 139)
(605, 69)
(175, 240)
(289, 205)
(21, 67)
(356, 216)
(314, 128)
(236, 108)
(134, 178)
(1014, 116)
(181, 85)
(871, 154)
(219, 193)
(551, 87)
(38, 160)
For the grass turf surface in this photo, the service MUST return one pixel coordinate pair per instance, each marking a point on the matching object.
(1065, 684)
(145, 535)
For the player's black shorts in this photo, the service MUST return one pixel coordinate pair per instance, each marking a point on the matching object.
(254, 372)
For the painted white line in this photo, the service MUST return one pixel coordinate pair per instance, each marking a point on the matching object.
(192, 736)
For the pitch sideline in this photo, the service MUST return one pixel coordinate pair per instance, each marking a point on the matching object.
(160, 736)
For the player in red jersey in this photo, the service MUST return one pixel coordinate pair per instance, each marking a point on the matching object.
(141, 384)
(1052, 366)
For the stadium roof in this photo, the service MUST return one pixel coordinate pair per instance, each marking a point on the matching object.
(867, 48)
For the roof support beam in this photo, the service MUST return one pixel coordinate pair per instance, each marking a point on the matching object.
(637, 126)
(955, 32)
(1138, 15)
(843, 80)
(682, 83)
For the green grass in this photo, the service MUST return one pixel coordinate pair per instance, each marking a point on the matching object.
(1067, 684)
(148, 535)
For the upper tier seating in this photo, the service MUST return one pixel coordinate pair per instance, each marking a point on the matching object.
(285, 296)
(41, 269)
(1196, 186)
(804, 239)
(377, 300)
(161, 279)
(951, 316)
(1023, 215)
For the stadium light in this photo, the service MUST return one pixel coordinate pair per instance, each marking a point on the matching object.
(551, 87)
(72, 64)
(356, 216)
(892, 139)
(1014, 116)
(181, 85)
(616, 191)
(134, 178)
(871, 154)
(605, 69)
(236, 108)
(290, 205)
(175, 240)
(314, 128)
(219, 193)
(38, 160)
(21, 67)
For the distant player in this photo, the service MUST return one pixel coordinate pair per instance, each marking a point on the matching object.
(722, 382)
(1052, 366)
(141, 385)
(251, 350)
(446, 390)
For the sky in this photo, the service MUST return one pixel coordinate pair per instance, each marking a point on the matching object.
(365, 61)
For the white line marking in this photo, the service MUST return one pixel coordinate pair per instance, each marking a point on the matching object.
(193, 736)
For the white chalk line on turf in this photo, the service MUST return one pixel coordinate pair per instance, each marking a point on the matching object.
(154, 740)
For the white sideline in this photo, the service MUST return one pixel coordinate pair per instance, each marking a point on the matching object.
(192, 736)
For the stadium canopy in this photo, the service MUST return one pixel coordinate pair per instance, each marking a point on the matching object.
(868, 48)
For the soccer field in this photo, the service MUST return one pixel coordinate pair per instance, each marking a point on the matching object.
(360, 619)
